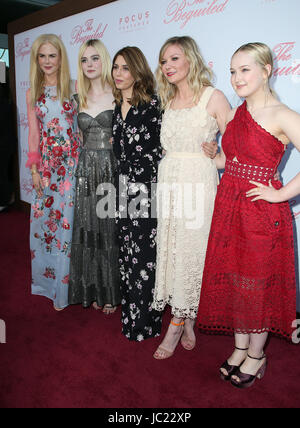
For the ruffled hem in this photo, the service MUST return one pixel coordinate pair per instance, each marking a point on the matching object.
(230, 331)
(190, 313)
(33, 158)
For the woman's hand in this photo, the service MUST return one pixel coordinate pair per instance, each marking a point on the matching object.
(265, 193)
(37, 184)
(210, 149)
(276, 175)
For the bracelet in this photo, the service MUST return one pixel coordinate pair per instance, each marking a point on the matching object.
(33, 171)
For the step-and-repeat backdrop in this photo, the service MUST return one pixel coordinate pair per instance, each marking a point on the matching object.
(219, 27)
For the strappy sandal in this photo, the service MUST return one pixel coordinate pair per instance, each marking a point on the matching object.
(109, 309)
(96, 307)
(163, 354)
(247, 380)
(231, 369)
(58, 309)
(188, 344)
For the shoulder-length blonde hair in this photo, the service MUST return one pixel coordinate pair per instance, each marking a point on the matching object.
(262, 55)
(83, 82)
(199, 74)
(37, 76)
(144, 82)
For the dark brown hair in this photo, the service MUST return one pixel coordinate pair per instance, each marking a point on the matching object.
(144, 85)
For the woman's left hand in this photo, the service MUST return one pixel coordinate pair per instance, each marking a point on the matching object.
(276, 176)
(210, 149)
(265, 193)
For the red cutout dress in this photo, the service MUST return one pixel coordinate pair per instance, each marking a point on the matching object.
(249, 276)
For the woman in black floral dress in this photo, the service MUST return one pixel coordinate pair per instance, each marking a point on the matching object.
(136, 143)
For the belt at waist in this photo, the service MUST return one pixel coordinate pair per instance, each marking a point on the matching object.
(248, 172)
(184, 155)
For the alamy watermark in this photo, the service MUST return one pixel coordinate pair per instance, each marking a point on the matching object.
(184, 201)
(296, 332)
(2, 331)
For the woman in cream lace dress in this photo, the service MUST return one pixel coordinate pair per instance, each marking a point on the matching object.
(187, 184)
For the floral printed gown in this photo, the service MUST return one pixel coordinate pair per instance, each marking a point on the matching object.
(53, 146)
(136, 144)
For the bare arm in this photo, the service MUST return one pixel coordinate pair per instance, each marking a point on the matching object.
(220, 159)
(219, 108)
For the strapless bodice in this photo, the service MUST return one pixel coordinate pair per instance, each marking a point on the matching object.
(96, 131)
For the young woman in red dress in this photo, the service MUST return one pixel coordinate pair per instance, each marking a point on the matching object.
(249, 276)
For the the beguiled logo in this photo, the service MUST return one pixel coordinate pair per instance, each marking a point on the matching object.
(26, 186)
(23, 121)
(185, 10)
(296, 214)
(89, 30)
(285, 64)
(23, 48)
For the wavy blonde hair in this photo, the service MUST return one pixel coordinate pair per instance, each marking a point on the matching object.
(37, 76)
(144, 82)
(199, 74)
(262, 55)
(83, 82)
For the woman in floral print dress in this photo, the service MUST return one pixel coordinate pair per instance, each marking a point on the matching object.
(52, 158)
(136, 143)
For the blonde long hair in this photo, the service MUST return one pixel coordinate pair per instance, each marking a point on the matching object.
(83, 82)
(262, 55)
(37, 76)
(199, 75)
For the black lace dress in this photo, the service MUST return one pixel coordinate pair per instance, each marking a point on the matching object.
(136, 144)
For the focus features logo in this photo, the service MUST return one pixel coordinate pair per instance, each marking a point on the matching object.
(133, 22)
(24, 84)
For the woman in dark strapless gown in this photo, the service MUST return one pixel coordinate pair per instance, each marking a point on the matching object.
(94, 272)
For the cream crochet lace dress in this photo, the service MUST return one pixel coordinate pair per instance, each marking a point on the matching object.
(187, 185)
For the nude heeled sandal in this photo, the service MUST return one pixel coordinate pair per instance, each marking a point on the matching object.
(188, 344)
(163, 354)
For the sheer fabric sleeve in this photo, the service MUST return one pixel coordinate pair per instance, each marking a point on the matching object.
(34, 156)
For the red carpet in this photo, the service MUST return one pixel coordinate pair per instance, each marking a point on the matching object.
(79, 358)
